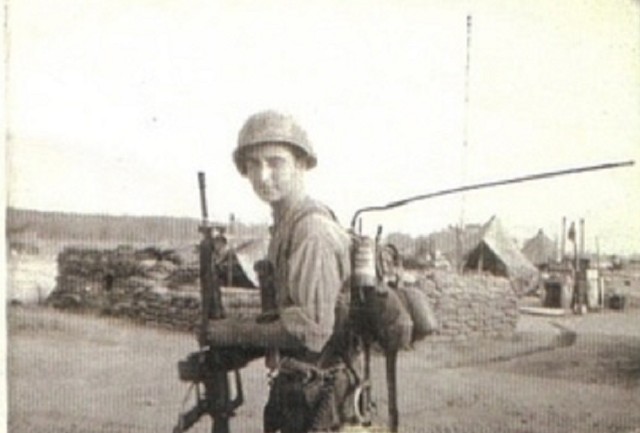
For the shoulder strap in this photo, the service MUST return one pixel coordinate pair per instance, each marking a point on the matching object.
(316, 209)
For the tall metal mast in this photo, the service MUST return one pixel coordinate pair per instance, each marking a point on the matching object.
(465, 144)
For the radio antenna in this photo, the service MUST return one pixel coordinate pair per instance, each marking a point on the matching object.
(490, 184)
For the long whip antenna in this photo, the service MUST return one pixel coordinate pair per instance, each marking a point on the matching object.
(491, 184)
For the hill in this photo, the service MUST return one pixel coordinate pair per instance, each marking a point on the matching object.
(24, 225)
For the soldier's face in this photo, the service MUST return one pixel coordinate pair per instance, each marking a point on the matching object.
(274, 172)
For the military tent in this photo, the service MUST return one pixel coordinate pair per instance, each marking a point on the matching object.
(540, 250)
(243, 254)
(497, 253)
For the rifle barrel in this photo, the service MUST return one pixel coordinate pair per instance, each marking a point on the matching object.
(490, 184)
(203, 197)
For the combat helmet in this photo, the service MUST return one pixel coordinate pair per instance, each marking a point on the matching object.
(272, 127)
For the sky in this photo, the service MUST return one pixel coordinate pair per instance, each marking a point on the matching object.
(113, 106)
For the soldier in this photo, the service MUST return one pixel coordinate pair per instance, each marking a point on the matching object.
(309, 255)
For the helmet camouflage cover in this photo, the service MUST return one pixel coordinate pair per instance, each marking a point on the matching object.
(272, 127)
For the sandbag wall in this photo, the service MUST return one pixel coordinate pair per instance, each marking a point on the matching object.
(148, 286)
(470, 306)
(156, 288)
(180, 310)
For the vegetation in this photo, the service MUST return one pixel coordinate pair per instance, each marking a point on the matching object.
(31, 224)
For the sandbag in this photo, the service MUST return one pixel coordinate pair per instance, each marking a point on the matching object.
(403, 314)
(388, 319)
(422, 315)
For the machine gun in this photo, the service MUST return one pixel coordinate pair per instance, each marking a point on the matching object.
(209, 370)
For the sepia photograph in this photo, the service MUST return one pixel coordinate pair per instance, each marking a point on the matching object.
(322, 216)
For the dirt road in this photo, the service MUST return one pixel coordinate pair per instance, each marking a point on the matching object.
(83, 374)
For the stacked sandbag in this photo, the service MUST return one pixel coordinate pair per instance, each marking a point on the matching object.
(148, 286)
(181, 310)
(470, 306)
(184, 277)
(158, 307)
(96, 264)
(154, 287)
(94, 278)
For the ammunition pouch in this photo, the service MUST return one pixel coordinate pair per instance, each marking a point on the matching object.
(305, 398)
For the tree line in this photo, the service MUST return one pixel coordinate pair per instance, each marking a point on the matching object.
(48, 225)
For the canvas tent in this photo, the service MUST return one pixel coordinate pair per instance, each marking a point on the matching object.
(540, 250)
(243, 256)
(497, 253)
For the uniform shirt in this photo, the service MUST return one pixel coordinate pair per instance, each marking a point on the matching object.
(310, 254)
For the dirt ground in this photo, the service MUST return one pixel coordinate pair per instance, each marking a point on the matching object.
(70, 373)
